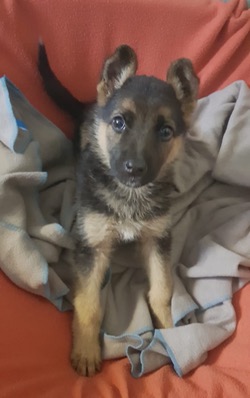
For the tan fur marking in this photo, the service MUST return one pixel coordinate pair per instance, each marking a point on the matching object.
(128, 105)
(102, 93)
(124, 75)
(157, 227)
(187, 110)
(185, 82)
(97, 228)
(128, 230)
(167, 114)
(106, 87)
(112, 138)
(177, 85)
(131, 230)
(86, 353)
(102, 144)
(160, 281)
(106, 140)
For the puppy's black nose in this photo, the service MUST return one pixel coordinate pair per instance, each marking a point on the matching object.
(135, 167)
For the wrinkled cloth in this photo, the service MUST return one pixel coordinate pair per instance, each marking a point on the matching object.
(36, 196)
(211, 230)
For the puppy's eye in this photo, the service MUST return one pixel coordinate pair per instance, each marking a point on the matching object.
(118, 124)
(166, 133)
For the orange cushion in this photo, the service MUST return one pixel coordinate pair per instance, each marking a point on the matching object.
(35, 349)
(35, 337)
(79, 34)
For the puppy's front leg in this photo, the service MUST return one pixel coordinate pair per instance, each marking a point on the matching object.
(91, 266)
(156, 254)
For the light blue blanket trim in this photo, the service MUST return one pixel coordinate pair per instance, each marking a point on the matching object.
(156, 339)
(214, 303)
(161, 339)
(11, 227)
(138, 344)
(21, 125)
(136, 334)
(15, 125)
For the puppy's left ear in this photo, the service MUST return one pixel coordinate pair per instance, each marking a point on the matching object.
(116, 70)
(182, 77)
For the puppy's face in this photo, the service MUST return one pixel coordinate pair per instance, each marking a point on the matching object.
(142, 120)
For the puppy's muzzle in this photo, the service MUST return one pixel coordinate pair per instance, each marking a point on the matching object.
(134, 170)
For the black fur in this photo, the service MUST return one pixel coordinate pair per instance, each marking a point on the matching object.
(61, 96)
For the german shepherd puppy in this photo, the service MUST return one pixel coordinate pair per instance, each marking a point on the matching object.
(129, 140)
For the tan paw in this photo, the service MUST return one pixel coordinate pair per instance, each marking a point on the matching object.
(162, 323)
(86, 360)
(162, 316)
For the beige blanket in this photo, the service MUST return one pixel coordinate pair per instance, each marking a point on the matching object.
(211, 213)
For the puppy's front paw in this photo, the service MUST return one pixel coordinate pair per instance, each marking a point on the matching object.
(86, 359)
(162, 316)
(164, 323)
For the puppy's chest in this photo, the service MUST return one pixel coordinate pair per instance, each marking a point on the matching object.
(130, 230)
(98, 228)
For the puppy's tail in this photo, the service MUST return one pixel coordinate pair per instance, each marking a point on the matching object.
(54, 88)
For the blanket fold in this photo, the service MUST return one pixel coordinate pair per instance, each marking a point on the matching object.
(36, 167)
(211, 234)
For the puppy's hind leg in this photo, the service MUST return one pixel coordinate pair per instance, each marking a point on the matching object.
(156, 255)
(91, 266)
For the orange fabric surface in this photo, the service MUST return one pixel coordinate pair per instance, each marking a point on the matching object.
(34, 337)
(78, 35)
(35, 348)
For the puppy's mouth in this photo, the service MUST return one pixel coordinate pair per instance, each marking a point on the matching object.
(133, 182)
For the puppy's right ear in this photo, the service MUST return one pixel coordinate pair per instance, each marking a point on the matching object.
(116, 70)
(181, 75)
